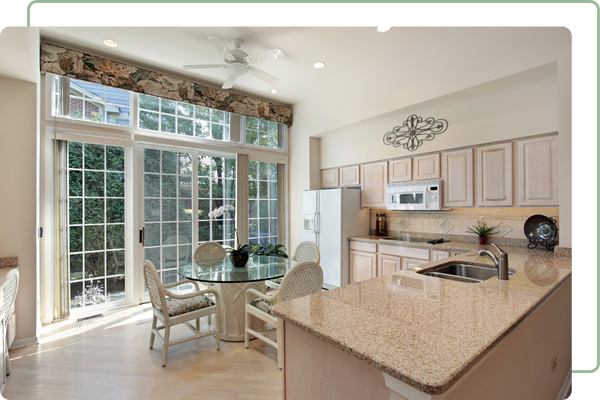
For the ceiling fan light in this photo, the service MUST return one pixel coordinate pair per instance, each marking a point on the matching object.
(319, 64)
(273, 91)
(110, 43)
(383, 28)
(236, 69)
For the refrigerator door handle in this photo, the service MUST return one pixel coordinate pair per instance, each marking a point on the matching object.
(317, 223)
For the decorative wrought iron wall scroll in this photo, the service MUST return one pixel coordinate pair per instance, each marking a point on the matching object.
(414, 131)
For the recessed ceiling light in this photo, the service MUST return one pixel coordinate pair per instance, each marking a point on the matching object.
(383, 28)
(110, 43)
(273, 91)
(319, 64)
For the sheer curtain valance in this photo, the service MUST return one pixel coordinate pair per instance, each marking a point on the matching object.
(75, 64)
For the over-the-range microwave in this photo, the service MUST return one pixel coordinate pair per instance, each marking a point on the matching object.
(419, 195)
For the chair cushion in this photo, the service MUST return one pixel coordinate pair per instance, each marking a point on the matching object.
(278, 280)
(264, 305)
(177, 306)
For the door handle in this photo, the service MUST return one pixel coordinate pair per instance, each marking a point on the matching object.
(143, 236)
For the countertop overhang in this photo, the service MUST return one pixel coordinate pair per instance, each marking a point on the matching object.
(425, 331)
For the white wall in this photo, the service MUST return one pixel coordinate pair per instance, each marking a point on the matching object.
(18, 193)
(457, 76)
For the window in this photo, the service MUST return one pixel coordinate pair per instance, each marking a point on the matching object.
(96, 223)
(262, 133)
(163, 115)
(216, 187)
(92, 102)
(262, 201)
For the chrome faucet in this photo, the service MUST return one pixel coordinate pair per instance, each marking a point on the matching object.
(501, 261)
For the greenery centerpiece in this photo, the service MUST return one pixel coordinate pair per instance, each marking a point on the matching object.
(482, 229)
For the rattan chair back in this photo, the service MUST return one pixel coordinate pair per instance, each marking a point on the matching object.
(209, 250)
(10, 293)
(307, 251)
(301, 280)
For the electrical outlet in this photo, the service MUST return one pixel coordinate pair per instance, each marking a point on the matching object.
(554, 363)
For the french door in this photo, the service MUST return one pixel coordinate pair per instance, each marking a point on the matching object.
(180, 188)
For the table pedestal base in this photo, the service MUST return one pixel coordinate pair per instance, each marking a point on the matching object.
(233, 309)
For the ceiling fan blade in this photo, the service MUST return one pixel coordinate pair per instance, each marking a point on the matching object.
(204, 66)
(263, 56)
(263, 76)
(229, 82)
(220, 45)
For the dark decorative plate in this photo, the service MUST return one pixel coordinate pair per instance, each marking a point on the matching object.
(540, 229)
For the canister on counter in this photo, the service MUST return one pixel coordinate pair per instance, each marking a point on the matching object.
(380, 226)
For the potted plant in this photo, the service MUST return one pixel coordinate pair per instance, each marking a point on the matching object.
(238, 257)
(270, 250)
(482, 229)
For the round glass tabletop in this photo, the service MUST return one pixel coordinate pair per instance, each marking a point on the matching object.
(221, 270)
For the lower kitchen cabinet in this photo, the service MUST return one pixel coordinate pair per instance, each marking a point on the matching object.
(412, 262)
(387, 265)
(363, 266)
(439, 255)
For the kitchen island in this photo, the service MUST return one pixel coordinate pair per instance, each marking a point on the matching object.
(411, 336)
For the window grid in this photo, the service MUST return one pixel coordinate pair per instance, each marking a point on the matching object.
(262, 177)
(93, 102)
(96, 223)
(170, 116)
(262, 133)
(216, 187)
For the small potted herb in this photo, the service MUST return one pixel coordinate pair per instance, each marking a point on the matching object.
(482, 229)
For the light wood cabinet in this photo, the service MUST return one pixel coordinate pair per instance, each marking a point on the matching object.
(330, 178)
(494, 175)
(374, 185)
(363, 266)
(412, 262)
(387, 265)
(350, 176)
(437, 255)
(538, 171)
(426, 167)
(457, 178)
(400, 170)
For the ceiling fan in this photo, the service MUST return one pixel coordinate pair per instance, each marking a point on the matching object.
(238, 62)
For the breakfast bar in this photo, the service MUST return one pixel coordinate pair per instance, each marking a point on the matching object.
(412, 336)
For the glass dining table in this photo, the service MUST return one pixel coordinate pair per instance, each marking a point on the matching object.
(232, 282)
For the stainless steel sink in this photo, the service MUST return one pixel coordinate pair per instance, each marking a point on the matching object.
(459, 271)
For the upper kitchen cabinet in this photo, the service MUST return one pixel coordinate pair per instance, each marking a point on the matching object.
(494, 175)
(538, 171)
(350, 176)
(401, 170)
(426, 167)
(330, 178)
(457, 178)
(374, 185)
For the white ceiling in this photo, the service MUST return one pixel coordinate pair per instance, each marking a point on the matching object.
(349, 53)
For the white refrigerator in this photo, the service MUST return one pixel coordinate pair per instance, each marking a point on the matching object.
(330, 217)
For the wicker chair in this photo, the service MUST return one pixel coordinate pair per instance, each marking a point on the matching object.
(8, 308)
(178, 309)
(301, 280)
(306, 251)
(205, 251)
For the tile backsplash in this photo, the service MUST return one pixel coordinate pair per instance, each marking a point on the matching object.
(510, 221)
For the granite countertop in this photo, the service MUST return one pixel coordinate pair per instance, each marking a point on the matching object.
(425, 331)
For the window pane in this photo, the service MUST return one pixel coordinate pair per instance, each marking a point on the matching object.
(168, 106)
(262, 133)
(149, 120)
(263, 212)
(149, 102)
(185, 126)
(167, 123)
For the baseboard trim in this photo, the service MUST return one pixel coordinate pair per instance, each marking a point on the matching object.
(17, 344)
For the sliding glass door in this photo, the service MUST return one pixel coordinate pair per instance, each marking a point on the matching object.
(95, 215)
(180, 188)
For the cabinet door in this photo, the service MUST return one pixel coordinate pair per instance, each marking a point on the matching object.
(427, 167)
(363, 266)
(494, 175)
(374, 185)
(439, 255)
(387, 265)
(457, 175)
(538, 171)
(412, 262)
(401, 170)
(350, 176)
(330, 178)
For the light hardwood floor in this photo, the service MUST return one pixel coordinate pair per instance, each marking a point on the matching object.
(109, 358)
